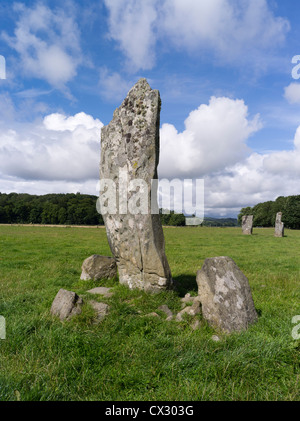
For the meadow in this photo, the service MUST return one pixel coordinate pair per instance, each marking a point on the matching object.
(129, 356)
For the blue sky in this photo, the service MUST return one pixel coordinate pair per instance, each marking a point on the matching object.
(230, 106)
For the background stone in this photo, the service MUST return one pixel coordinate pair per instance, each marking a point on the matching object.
(247, 224)
(279, 226)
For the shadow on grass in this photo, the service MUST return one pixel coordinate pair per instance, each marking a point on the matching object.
(258, 311)
(185, 284)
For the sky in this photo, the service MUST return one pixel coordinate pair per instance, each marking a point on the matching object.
(227, 72)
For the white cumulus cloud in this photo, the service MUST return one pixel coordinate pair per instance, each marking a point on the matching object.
(292, 93)
(47, 42)
(215, 137)
(235, 31)
(131, 24)
(285, 162)
(57, 148)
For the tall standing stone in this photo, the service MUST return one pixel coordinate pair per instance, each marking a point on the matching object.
(130, 153)
(279, 226)
(247, 224)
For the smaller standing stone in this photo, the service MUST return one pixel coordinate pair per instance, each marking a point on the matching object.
(98, 267)
(247, 224)
(225, 295)
(66, 304)
(279, 226)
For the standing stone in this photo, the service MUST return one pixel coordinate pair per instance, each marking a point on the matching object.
(247, 224)
(279, 226)
(129, 157)
(225, 295)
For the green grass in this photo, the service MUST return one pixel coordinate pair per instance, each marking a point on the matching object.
(132, 357)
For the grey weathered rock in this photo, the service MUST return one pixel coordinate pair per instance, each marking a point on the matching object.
(215, 338)
(279, 226)
(101, 291)
(98, 267)
(153, 314)
(129, 158)
(196, 325)
(225, 295)
(101, 310)
(195, 308)
(66, 304)
(187, 298)
(191, 310)
(167, 311)
(247, 224)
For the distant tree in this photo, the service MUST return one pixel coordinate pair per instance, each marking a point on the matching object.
(278, 206)
(265, 213)
(177, 220)
(49, 209)
(35, 215)
(291, 212)
(172, 218)
(244, 211)
(262, 214)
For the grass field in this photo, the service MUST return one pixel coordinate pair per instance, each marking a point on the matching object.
(132, 357)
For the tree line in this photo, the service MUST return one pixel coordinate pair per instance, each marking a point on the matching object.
(60, 209)
(56, 209)
(264, 214)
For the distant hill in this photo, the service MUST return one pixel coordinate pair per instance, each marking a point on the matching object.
(219, 222)
(214, 222)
